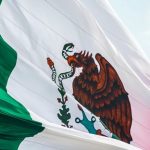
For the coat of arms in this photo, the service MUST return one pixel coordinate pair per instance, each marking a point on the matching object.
(101, 92)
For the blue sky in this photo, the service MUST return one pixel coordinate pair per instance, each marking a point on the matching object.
(136, 16)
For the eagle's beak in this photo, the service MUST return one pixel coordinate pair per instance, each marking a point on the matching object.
(73, 60)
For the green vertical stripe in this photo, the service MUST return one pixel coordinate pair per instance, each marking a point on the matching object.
(0, 1)
(7, 62)
(15, 121)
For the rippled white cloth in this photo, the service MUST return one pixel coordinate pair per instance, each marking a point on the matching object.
(38, 29)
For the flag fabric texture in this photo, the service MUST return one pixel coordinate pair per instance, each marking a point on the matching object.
(71, 76)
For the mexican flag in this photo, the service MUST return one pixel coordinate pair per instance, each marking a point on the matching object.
(71, 77)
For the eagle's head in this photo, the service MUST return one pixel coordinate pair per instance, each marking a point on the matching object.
(81, 59)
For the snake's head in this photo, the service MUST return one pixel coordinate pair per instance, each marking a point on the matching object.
(68, 46)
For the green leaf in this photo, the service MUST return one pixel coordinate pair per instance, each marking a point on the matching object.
(59, 116)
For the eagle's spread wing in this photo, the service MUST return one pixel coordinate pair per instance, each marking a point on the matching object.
(112, 101)
(104, 95)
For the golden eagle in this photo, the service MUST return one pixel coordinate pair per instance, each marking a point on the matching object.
(102, 93)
